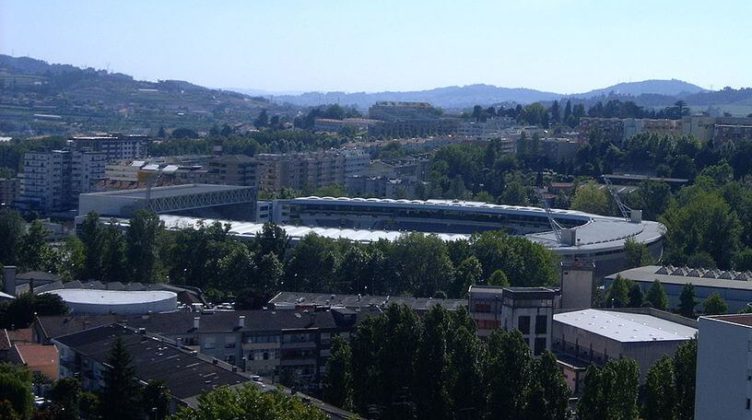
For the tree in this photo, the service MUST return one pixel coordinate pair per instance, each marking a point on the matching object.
(743, 260)
(422, 263)
(272, 239)
(714, 305)
(467, 360)
(66, 397)
(687, 301)
(657, 296)
(114, 261)
(685, 370)
(156, 400)
(610, 392)
(509, 373)
(121, 393)
(636, 297)
(468, 273)
(549, 395)
(660, 391)
(142, 247)
(338, 380)
(92, 238)
(269, 272)
(618, 293)
(34, 246)
(16, 388)
(432, 369)
(249, 402)
(590, 198)
(498, 278)
(262, 120)
(11, 234)
(637, 254)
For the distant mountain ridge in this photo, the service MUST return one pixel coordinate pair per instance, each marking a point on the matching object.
(458, 97)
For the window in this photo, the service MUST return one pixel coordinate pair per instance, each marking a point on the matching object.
(540, 346)
(541, 324)
(523, 324)
(748, 403)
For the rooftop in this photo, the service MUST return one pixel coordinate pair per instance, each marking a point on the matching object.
(169, 191)
(184, 374)
(738, 319)
(292, 299)
(682, 275)
(626, 327)
(112, 297)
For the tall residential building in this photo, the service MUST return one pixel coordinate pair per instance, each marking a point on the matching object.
(233, 170)
(724, 367)
(87, 169)
(51, 181)
(46, 181)
(115, 146)
(9, 189)
(308, 171)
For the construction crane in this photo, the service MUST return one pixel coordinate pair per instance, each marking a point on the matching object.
(625, 211)
(555, 226)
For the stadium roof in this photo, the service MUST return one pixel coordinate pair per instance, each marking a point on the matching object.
(169, 191)
(626, 327)
(112, 297)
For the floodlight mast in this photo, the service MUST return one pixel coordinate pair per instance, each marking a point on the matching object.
(555, 226)
(626, 212)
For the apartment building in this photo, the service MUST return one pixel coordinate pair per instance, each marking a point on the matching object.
(51, 181)
(285, 345)
(232, 170)
(9, 190)
(114, 146)
(46, 181)
(308, 171)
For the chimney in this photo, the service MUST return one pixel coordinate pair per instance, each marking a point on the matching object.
(241, 321)
(9, 279)
(196, 322)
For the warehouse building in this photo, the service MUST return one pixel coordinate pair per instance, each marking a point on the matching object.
(596, 336)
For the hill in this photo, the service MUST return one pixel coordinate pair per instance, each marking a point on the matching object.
(671, 87)
(41, 98)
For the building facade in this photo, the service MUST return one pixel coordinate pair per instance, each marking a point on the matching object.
(723, 387)
(115, 147)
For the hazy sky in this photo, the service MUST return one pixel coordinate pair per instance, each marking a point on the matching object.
(564, 46)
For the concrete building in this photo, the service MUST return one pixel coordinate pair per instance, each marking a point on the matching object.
(9, 190)
(530, 311)
(596, 336)
(734, 287)
(233, 170)
(559, 149)
(301, 301)
(731, 130)
(87, 170)
(723, 387)
(335, 126)
(115, 146)
(577, 284)
(308, 171)
(46, 181)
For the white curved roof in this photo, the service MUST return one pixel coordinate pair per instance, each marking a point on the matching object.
(113, 297)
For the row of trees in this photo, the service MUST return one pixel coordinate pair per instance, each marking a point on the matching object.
(613, 391)
(207, 256)
(624, 293)
(401, 366)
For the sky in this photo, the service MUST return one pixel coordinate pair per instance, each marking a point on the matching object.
(564, 46)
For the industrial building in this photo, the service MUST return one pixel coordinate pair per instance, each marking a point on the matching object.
(194, 199)
(734, 287)
(724, 367)
(122, 302)
(596, 336)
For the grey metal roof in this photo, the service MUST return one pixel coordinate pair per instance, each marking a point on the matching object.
(626, 327)
(650, 273)
(169, 191)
